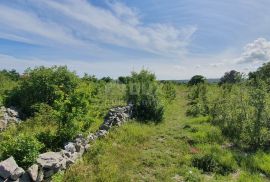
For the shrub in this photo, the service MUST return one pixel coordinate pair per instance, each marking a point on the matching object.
(261, 162)
(196, 80)
(42, 85)
(25, 149)
(142, 92)
(215, 160)
(242, 114)
(169, 92)
(198, 101)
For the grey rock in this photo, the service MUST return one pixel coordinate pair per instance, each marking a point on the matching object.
(17, 173)
(51, 160)
(33, 172)
(8, 167)
(70, 147)
(40, 176)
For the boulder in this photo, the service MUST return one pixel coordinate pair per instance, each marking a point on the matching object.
(51, 161)
(17, 173)
(33, 172)
(8, 167)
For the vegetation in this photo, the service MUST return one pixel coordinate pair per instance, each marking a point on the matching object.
(142, 93)
(197, 79)
(208, 132)
(231, 77)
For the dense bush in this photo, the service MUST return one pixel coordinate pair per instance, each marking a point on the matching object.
(24, 148)
(42, 85)
(142, 92)
(242, 112)
(196, 80)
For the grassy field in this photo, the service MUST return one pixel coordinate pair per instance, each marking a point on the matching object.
(164, 152)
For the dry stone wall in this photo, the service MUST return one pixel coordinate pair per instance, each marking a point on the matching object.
(50, 163)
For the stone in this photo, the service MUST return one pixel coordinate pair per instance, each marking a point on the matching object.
(33, 172)
(8, 167)
(51, 160)
(87, 147)
(70, 147)
(101, 133)
(17, 173)
(40, 176)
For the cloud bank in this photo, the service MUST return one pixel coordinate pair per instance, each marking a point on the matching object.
(78, 23)
(256, 52)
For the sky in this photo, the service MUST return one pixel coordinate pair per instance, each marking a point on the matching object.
(175, 39)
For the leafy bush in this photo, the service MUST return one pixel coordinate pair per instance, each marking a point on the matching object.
(197, 79)
(142, 92)
(42, 85)
(242, 114)
(215, 160)
(25, 149)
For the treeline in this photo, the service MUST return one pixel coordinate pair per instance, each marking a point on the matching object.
(56, 105)
(239, 105)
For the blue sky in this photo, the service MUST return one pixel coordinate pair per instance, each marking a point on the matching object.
(176, 39)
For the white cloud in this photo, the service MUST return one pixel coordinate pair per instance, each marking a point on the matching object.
(256, 52)
(78, 22)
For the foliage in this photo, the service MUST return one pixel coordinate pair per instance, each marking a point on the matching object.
(142, 92)
(263, 72)
(215, 160)
(12, 74)
(242, 113)
(42, 85)
(231, 77)
(6, 85)
(24, 148)
(196, 80)
(198, 101)
(106, 79)
(89, 78)
(168, 90)
(123, 79)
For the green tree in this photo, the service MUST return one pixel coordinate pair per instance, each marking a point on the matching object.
(106, 79)
(231, 77)
(196, 80)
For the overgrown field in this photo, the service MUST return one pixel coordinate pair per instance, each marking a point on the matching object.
(180, 148)
(178, 132)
